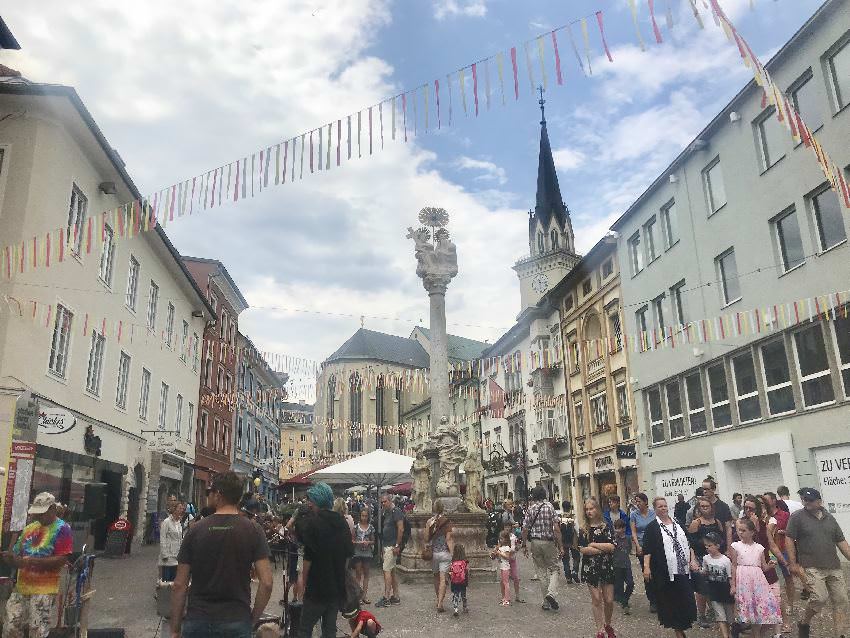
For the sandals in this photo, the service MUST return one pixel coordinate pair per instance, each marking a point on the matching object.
(366, 601)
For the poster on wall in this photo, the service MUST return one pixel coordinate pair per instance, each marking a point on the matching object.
(684, 480)
(833, 466)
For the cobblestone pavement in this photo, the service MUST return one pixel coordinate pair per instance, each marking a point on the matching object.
(125, 589)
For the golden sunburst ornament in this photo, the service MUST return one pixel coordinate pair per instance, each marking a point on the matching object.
(433, 217)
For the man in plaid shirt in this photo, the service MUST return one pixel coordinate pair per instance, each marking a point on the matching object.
(541, 532)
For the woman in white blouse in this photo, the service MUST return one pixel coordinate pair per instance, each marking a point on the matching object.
(170, 538)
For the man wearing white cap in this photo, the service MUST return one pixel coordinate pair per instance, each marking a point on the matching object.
(39, 554)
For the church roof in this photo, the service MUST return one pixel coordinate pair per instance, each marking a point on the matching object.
(379, 346)
(549, 201)
(461, 348)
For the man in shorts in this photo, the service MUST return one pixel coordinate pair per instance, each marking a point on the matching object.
(815, 560)
(392, 532)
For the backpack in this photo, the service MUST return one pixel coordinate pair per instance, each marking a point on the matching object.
(457, 572)
(405, 536)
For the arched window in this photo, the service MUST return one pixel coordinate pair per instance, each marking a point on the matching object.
(379, 413)
(554, 239)
(592, 328)
(329, 414)
(541, 243)
(355, 439)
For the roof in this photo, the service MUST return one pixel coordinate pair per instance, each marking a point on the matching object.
(722, 116)
(296, 407)
(549, 202)
(7, 40)
(378, 346)
(460, 348)
(216, 262)
(24, 87)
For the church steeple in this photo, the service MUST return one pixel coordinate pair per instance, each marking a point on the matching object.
(550, 203)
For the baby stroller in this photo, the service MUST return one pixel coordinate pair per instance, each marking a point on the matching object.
(74, 598)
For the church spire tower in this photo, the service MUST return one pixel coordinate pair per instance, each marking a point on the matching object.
(551, 241)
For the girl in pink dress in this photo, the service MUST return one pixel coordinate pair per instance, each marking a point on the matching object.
(754, 599)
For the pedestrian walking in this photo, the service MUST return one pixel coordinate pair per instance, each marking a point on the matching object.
(494, 524)
(754, 508)
(39, 554)
(642, 515)
(569, 541)
(505, 553)
(392, 533)
(217, 554)
(737, 505)
(680, 511)
(541, 532)
(777, 523)
(438, 534)
(597, 546)
(624, 582)
(785, 495)
(755, 601)
(815, 560)
(327, 548)
(717, 569)
(170, 538)
(721, 510)
(364, 549)
(703, 523)
(459, 577)
(668, 562)
(614, 512)
(341, 508)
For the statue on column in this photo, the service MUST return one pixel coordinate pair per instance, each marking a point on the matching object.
(452, 454)
(436, 264)
(474, 472)
(421, 483)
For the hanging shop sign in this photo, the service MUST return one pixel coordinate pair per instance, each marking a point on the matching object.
(55, 421)
(161, 441)
(603, 464)
(833, 467)
(626, 451)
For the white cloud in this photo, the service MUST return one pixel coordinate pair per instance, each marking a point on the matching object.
(567, 158)
(467, 8)
(489, 171)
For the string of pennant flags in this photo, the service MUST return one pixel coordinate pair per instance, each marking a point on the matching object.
(412, 112)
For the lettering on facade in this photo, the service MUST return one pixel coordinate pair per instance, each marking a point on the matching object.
(833, 465)
(604, 463)
(626, 451)
(55, 421)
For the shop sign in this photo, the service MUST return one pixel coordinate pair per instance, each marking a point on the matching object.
(680, 481)
(604, 463)
(55, 421)
(161, 441)
(626, 451)
(26, 418)
(833, 465)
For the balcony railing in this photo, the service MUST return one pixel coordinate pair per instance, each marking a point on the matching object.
(595, 367)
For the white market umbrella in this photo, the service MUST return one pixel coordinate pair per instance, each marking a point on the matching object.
(375, 468)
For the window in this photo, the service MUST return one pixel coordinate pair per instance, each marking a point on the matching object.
(107, 254)
(184, 341)
(790, 241)
(553, 237)
(256, 441)
(195, 351)
(169, 325)
(568, 303)
(144, 394)
(163, 405)
(190, 421)
(76, 220)
(721, 411)
(640, 324)
(838, 66)
(678, 304)
(651, 243)
(828, 218)
(579, 413)
(622, 396)
(214, 302)
(770, 138)
(222, 324)
(841, 326)
(599, 411)
(95, 369)
(219, 380)
(216, 433)
(715, 191)
(132, 284)
(58, 363)
(746, 388)
(202, 429)
(674, 410)
(813, 367)
(696, 403)
(805, 99)
(607, 268)
(303, 454)
(574, 356)
(777, 378)
(656, 417)
(123, 380)
(541, 243)
(586, 287)
(616, 332)
(178, 422)
(669, 224)
(728, 274)
(635, 254)
(658, 317)
(153, 300)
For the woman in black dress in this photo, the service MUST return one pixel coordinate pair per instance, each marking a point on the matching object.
(703, 523)
(667, 570)
(596, 544)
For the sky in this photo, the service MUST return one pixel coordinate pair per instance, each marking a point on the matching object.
(180, 88)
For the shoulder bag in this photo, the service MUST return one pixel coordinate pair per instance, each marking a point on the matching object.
(428, 550)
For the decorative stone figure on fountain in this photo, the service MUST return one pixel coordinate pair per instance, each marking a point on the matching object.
(422, 484)
(452, 454)
(474, 471)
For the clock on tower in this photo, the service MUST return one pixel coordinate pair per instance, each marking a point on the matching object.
(540, 283)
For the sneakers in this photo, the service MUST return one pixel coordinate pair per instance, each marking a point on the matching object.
(520, 600)
(545, 606)
(456, 612)
(382, 602)
(553, 604)
(627, 610)
(610, 631)
(394, 600)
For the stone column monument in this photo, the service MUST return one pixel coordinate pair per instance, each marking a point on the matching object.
(436, 257)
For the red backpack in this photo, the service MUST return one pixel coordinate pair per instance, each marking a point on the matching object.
(457, 572)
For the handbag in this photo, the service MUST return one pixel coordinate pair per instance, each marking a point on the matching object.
(427, 550)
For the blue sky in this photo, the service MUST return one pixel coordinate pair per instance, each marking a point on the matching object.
(179, 88)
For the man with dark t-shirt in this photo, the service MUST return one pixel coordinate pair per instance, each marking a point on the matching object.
(217, 554)
(721, 510)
